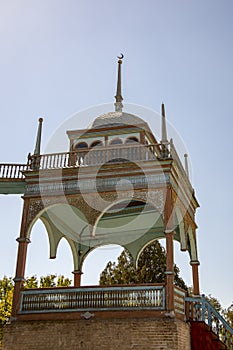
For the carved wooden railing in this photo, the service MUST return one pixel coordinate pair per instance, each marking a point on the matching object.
(93, 298)
(200, 309)
(95, 156)
(12, 171)
(174, 155)
(179, 300)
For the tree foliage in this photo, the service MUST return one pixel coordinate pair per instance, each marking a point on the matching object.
(215, 303)
(7, 289)
(6, 296)
(229, 315)
(151, 268)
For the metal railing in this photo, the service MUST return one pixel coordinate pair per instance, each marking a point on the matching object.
(94, 156)
(12, 171)
(93, 298)
(174, 155)
(200, 309)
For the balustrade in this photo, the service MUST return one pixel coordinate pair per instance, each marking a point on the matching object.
(12, 171)
(179, 300)
(93, 298)
(94, 156)
(200, 309)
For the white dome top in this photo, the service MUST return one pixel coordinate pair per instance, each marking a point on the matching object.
(116, 119)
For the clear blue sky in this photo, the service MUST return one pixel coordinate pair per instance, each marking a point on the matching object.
(59, 57)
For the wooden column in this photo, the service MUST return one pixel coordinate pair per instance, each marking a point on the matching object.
(196, 289)
(169, 234)
(77, 278)
(21, 260)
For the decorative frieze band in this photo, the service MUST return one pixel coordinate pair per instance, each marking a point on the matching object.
(92, 184)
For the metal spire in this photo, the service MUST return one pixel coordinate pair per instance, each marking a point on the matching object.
(186, 165)
(164, 140)
(38, 138)
(164, 128)
(118, 97)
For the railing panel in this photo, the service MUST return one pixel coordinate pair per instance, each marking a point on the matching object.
(98, 298)
(179, 300)
(12, 171)
(94, 156)
(200, 309)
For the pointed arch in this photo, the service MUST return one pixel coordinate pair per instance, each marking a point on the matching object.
(192, 244)
(132, 226)
(179, 223)
(63, 221)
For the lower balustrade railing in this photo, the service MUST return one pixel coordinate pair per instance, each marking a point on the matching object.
(179, 300)
(12, 171)
(200, 309)
(92, 298)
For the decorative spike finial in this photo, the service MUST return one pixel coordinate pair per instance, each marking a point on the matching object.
(118, 97)
(38, 138)
(164, 140)
(164, 128)
(186, 165)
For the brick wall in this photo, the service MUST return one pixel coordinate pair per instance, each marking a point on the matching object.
(98, 334)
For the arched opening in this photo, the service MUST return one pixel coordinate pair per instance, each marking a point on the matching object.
(96, 261)
(192, 244)
(116, 141)
(182, 260)
(180, 229)
(96, 143)
(132, 139)
(68, 222)
(81, 145)
(38, 261)
(129, 222)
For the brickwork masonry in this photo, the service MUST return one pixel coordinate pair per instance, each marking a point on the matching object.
(98, 334)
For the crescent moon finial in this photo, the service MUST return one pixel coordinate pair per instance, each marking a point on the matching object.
(120, 57)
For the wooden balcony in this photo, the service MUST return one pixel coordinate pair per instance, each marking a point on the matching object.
(12, 176)
(94, 156)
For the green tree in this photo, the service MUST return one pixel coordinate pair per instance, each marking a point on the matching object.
(6, 296)
(151, 268)
(215, 303)
(51, 281)
(7, 289)
(31, 282)
(63, 282)
(48, 281)
(229, 315)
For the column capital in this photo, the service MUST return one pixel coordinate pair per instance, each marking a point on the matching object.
(23, 240)
(19, 279)
(77, 272)
(169, 231)
(194, 262)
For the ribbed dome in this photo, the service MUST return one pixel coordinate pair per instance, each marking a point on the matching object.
(116, 119)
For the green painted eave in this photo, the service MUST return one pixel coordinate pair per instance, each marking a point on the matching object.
(12, 187)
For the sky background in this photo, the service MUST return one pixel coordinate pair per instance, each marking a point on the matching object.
(59, 57)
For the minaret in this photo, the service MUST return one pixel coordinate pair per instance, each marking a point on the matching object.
(118, 97)
(164, 141)
(38, 138)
